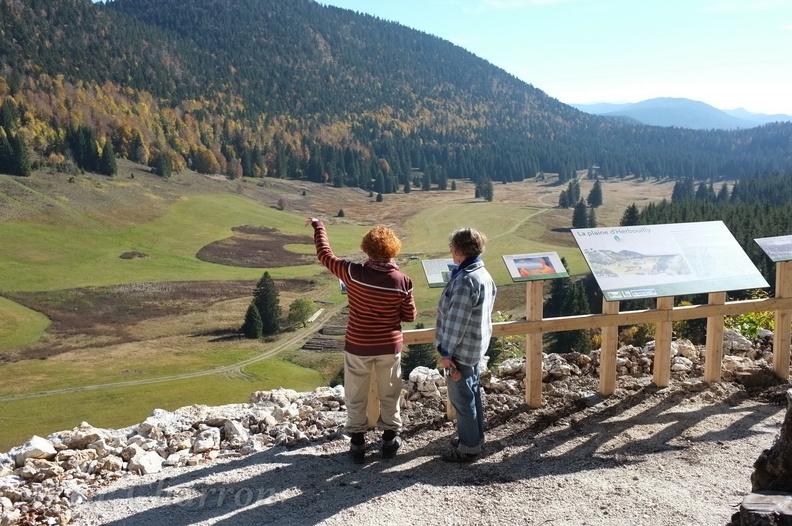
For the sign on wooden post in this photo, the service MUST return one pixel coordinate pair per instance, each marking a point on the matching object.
(783, 287)
(662, 354)
(534, 303)
(610, 344)
(714, 351)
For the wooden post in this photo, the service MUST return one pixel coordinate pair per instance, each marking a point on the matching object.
(662, 354)
(714, 352)
(534, 304)
(783, 287)
(373, 408)
(610, 344)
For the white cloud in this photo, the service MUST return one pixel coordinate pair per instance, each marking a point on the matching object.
(787, 27)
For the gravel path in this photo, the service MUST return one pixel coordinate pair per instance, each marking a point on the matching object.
(649, 457)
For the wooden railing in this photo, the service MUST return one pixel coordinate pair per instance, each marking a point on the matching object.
(662, 316)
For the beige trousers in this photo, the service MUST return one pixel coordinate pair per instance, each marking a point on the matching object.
(357, 383)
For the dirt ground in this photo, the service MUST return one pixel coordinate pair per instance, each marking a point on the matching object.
(642, 457)
(256, 247)
(109, 315)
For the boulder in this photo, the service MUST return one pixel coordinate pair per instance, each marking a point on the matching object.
(145, 463)
(734, 342)
(169, 422)
(681, 364)
(773, 468)
(764, 333)
(686, 349)
(38, 470)
(83, 435)
(207, 440)
(511, 367)
(235, 433)
(36, 447)
(112, 463)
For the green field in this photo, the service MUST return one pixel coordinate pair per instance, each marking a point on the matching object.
(119, 407)
(511, 229)
(37, 256)
(19, 326)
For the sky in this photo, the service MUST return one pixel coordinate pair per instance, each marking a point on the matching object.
(727, 53)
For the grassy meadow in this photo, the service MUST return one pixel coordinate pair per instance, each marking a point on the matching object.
(60, 243)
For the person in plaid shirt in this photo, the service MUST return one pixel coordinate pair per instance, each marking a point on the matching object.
(464, 327)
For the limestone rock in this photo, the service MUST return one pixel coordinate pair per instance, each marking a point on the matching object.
(169, 422)
(681, 364)
(511, 367)
(112, 463)
(734, 342)
(179, 458)
(83, 435)
(131, 451)
(686, 349)
(235, 433)
(36, 447)
(145, 463)
(207, 440)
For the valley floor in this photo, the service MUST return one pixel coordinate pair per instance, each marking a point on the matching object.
(640, 457)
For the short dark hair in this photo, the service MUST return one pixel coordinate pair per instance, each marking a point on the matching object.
(468, 241)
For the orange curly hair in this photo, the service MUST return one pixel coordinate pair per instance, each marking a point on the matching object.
(380, 243)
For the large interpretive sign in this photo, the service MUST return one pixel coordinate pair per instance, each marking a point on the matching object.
(530, 267)
(777, 248)
(666, 260)
(438, 271)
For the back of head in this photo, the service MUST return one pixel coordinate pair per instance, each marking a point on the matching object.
(381, 243)
(468, 241)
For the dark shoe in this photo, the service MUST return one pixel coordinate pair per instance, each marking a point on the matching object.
(357, 452)
(357, 447)
(456, 456)
(390, 447)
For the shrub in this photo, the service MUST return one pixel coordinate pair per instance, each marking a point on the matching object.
(749, 324)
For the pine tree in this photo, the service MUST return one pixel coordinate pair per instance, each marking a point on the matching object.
(340, 213)
(580, 215)
(6, 155)
(426, 183)
(563, 201)
(8, 115)
(577, 341)
(20, 157)
(265, 297)
(630, 217)
(592, 219)
(107, 164)
(418, 355)
(380, 198)
(162, 165)
(253, 326)
(453, 186)
(488, 189)
(595, 195)
(407, 185)
(723, 194)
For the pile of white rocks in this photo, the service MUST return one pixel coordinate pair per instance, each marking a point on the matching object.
(41, 480)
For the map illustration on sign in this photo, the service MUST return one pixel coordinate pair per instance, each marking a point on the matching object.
(530, 267)
(666, 260)
(438, 271)
(777, 248)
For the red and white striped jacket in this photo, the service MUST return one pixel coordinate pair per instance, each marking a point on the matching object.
(380, 298)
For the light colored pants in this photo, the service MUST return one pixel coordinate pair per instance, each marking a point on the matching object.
(357, 382)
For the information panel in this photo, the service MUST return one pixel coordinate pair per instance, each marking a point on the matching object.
(438, 271)
(666, 260)
(777, 248)
(536, 266)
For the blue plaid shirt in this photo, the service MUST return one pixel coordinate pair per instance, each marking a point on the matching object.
(464, 314)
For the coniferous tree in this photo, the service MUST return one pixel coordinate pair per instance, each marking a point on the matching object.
(630, 217)
(379, 183)
(20, 162)
(265, 298)
(580, 215)
(418, 355)
(595, 195)
(407, 185)
(253, 326)
(107, 164)
(592, 219)
(453, 186)
(574, 303)
(723, 194)
(488, 189)
(162, 165)
(563, 200)
(6, 155)
(8, 115)
(380, 198)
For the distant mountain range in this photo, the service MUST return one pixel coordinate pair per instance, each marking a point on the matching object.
(683, 113)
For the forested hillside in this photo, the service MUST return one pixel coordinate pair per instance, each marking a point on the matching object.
(757, 207)
(299, 90)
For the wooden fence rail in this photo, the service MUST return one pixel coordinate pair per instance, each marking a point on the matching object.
(662, 316)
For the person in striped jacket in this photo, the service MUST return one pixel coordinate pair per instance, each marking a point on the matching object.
(380, 298)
